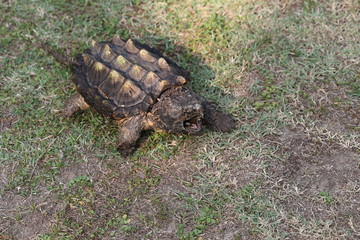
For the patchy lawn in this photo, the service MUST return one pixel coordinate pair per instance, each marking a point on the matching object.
(288, 71)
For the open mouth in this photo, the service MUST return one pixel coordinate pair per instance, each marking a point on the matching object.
(192, 125)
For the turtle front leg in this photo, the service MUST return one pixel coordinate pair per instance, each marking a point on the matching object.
(74, 104)
(130, 130)
(217, 120)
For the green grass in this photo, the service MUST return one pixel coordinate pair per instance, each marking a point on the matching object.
(288, 71)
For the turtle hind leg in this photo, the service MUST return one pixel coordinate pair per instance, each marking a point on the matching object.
(74, 104)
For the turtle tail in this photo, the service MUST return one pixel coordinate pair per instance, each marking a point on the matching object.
(56, 53)
(60, 57)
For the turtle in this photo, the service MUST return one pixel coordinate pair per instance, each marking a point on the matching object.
(140, 89)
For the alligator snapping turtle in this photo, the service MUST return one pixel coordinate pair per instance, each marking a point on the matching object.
(141, 89)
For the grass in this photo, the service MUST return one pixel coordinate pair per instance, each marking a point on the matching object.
(288, 71)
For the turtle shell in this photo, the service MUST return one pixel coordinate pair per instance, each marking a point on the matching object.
(122, 79)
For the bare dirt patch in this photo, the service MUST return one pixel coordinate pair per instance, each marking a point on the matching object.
(232, 228)
(26, 217)
(183, 180)
(318, 177)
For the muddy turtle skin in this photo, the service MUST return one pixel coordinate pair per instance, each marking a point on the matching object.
(141, 90)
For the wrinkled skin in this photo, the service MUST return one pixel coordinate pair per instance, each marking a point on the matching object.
(178, 110)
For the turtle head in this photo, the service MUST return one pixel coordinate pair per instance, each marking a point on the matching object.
(179, 110)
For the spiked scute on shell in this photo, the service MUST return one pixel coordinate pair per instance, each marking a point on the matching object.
(124, 78)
